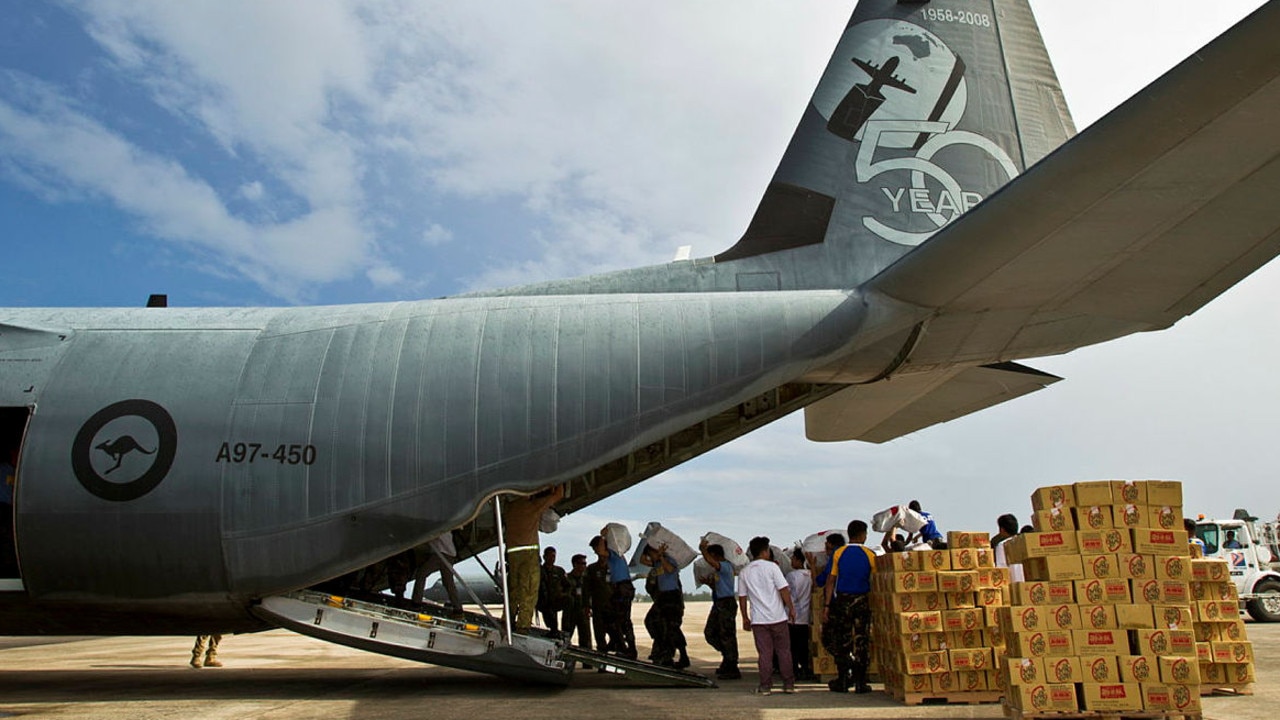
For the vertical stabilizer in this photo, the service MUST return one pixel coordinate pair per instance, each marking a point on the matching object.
(925, 109)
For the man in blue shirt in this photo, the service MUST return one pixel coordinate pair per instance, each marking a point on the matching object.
(624, 591)
(721, 630)
(846, 630)
(667, 613)
(930, 532)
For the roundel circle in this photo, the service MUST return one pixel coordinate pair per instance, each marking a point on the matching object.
(125, 450)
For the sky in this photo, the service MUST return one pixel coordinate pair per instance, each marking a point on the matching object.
(236, 153)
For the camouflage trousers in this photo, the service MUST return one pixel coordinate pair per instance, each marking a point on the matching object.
(847, 632)
(663, 623)
(721, 631)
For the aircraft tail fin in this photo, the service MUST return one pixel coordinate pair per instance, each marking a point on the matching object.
(924, 110)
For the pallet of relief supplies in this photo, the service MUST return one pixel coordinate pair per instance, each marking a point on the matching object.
(1102, 624)
(933, 622)
(1222, 643)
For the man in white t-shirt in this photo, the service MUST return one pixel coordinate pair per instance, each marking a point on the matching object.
(800, 582)
(764, 593)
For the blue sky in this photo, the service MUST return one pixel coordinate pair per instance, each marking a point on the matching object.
(259, 153)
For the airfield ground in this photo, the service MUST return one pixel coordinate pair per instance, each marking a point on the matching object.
(280, 675)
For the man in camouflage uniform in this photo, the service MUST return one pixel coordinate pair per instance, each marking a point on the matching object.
(577, 616)
(846, 629)
(598, 594)
(667, 613)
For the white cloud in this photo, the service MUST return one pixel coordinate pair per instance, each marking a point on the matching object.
(253, 192)
(436, 234)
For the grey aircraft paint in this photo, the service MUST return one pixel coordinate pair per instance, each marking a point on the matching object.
(179, 464)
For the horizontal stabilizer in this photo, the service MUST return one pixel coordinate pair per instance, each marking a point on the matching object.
(888, 409)
(1138, 221)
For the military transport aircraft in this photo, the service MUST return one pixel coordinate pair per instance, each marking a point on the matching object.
(204, 470)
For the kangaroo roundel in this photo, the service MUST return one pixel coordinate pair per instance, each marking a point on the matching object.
(125, 450)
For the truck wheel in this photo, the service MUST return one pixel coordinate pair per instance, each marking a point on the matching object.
(1265, 609)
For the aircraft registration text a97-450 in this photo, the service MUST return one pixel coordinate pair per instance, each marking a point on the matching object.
(245, 452)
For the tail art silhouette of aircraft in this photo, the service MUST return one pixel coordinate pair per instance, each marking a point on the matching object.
(882, 286)
(863, 100)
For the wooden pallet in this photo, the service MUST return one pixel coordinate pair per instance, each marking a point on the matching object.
(1226, 689)
(978, 697)
(1016, 714)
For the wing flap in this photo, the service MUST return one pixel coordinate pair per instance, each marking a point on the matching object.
(1137, 222)
(888, 409)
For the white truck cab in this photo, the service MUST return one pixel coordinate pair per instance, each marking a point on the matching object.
(1250, 549)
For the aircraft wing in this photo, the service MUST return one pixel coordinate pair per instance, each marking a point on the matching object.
(1140, 220)
(881, 411)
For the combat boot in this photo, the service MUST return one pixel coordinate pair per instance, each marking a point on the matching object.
(196, 659)
(860, 685)
(840, 683)
(211, 660)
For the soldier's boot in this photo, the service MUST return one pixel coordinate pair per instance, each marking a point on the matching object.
(683, 662)
(211, 660)
(841, 682)
(197, 660)
(860, 685)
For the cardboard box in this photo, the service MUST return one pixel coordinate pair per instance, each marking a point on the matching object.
(986, 557)
(914, 602)
(902, 561)
(1232, 652)
(1110, 697)
(1046, 544)
(971, 659)
(994, 577)
(1164, 492)
(1039, 643)
(1164, 517)
(988, 597)
(910, 643)
(944, 683)
(1108, 591)
(919, 622)
(971, 681)
(964, 559)
(1021, 618)
(961, 620)
(1098, 617)
(1136, 566)
(957, 581)
(1053, 520)
(956, 540)
(1164, 642)
(1092, 493)
(963, 639)
(959, 600)
(1053, 496)
(1153, 541)
(1100, 668)
(1049, 697)
(1101, 642)
(1176, 670)
(1175, 592)
(1107, 540)
(1204, 651)
(1099, 566)
(1210, 570)
(1232, 631)
(1215, 611)
(919, 684)
(1131, 492)
(1063, 616)
(1130, 516)
(924, 663)
(1057, 567)
(1093, 517)
(912, 582)
(935, 560)
(1038, 592)
(1176, 699)
(1174, 617)
(1138, 668)
(1135, 617)
(1025, 671)
(1063, 669)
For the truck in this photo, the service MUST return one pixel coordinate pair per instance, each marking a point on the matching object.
(1251, 548)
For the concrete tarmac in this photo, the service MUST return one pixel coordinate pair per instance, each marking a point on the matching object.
(280, 675)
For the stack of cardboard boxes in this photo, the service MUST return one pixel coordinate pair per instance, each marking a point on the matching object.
(934, 634)
(1103, 621)
(1222, 645)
